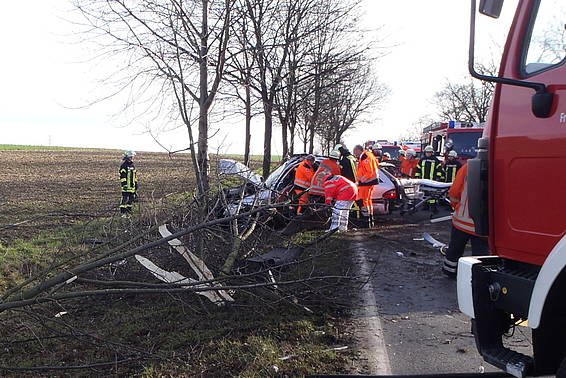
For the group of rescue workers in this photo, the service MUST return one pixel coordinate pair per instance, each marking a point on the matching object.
(345, 178)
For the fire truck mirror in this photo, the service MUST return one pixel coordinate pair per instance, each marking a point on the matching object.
(491, 8)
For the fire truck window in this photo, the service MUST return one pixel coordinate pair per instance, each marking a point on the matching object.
(546, 46)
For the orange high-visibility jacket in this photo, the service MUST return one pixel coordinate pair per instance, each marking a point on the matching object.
(326, 167)
(408, 166)
(367, 169)
(459, 199)
(339, 188)
(304, 174)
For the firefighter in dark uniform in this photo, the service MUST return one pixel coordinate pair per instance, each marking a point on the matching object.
(128, 183)
(430, 168)
(348, 163)
(451, 166)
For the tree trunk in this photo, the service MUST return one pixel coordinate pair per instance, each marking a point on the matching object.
(248, 125)
(316, 108)
(268, 115)
(284, 136)
(203, 106)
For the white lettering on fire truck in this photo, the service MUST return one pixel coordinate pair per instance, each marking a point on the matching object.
(562, 117)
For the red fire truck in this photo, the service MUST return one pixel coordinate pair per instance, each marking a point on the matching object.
(461, 136)
(517, 195)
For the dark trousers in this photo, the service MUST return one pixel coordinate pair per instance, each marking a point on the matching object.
(457, 245)
(127, 202)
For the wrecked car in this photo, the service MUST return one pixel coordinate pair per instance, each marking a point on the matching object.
(391, 193)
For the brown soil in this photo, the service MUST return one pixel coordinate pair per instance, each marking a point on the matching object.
(46, 189)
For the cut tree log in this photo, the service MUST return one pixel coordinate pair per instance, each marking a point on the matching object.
(196, 264)
(177, 278)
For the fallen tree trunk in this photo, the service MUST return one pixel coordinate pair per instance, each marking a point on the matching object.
(67, 276)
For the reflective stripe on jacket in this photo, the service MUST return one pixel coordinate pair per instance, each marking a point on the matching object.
(326, 167)
(459, 198)
(367, 169)
(349, 165)
(339, 188)
(429, 168)
(450, 170)
(303, 175)
(128, 177)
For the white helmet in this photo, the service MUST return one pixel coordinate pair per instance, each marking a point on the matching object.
(428, 149)
(453, 154)
(411, 152)
(334, 154)
(129, 154)
(376, 146)
(387, 154)
(402, 152)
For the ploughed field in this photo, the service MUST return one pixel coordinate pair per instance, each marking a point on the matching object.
(43, 189)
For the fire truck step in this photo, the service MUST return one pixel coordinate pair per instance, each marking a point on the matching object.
(514, 363)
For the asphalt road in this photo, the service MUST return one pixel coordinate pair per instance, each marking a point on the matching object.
(408, 321)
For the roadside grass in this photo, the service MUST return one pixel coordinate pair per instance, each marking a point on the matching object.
(168, 334)
(178, 335)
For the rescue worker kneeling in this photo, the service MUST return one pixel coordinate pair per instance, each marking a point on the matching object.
(343, 193)
(303, 177)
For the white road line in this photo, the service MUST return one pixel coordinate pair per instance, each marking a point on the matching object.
(378, 358)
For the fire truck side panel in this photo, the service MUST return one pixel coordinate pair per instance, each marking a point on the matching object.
(528, 163)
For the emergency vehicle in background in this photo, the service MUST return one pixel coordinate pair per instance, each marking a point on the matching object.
(461, 137)
(391, 148)
(525, 137)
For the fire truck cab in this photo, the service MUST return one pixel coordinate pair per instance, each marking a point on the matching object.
(461, 137)
(525, 137)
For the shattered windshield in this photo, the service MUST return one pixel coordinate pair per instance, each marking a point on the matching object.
(465, 144)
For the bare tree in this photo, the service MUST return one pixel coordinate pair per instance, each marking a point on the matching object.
(344, 103)
(468, 102)
(175, 44)
(414, 131)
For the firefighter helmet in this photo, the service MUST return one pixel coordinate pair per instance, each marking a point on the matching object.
(453, 154)
(334, 154)
(387, 154)
(129, 154)
(411, 152)
(376, 146)
(428, 149)
(402, 152)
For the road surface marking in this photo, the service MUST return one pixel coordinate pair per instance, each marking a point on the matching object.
(379, 358)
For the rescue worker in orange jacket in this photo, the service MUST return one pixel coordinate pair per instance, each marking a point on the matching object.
(326, 167)
(342, 192)
(303, 177)
(409, 164)
(367, 178)
(463, 228)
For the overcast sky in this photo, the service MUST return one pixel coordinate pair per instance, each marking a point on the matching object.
(46, 80)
